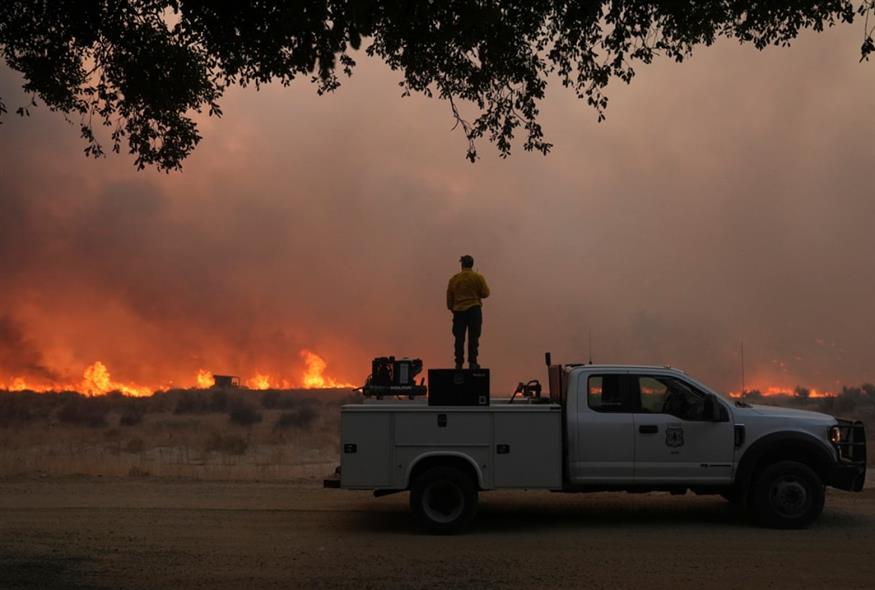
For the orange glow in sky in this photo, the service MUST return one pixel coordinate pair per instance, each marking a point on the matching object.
(307, 235)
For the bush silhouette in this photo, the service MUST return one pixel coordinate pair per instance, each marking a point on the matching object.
(298, 418)
(244, 414)
(228, 444)
(87, 411)
(218, 401)
(15, 408)
(190, 402)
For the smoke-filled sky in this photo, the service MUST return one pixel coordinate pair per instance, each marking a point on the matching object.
(728, 198)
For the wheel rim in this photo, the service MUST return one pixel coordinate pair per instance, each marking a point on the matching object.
(443, 501)
(789, 496)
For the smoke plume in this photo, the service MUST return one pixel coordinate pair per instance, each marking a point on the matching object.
(727, 199)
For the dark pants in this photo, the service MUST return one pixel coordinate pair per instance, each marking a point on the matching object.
(470, 320)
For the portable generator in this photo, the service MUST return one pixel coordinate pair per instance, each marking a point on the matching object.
(394, 377)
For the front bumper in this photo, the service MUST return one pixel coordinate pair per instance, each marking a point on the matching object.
(849, 473)
(847, 477)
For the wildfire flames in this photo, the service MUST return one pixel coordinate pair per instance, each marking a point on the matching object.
(772, 390)
(260, 381)
(204, 379)
(97, 380)
(314, 377)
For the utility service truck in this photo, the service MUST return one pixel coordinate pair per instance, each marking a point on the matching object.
(602, 428)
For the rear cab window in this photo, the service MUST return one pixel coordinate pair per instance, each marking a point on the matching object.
(607, 393)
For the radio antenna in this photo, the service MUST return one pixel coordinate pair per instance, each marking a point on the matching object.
(741, 342)
(590, 345)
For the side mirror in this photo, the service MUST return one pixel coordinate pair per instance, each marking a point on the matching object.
(714, 411)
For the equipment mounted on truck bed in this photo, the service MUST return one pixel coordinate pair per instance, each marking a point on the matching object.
(394, 377)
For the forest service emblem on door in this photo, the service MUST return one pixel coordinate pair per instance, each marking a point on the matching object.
(674, 436)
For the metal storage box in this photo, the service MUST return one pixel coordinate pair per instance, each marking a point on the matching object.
(458, 387)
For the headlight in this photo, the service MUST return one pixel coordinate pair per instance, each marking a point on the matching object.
(837, 434)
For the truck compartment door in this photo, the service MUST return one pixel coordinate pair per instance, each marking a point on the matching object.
(365, 450)
(528, 449)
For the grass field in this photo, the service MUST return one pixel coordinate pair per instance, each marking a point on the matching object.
(235, 434)
(204, 434)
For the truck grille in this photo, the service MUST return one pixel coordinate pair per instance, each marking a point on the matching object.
(852, 448)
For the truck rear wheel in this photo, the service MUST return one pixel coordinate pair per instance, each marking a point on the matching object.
(444, 500)
(788, 495)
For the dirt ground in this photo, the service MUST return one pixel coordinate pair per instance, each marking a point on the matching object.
(153, 533)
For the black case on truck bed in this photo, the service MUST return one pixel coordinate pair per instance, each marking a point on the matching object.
(458, 387)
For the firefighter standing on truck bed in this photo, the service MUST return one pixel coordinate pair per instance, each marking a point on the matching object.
(464, 294)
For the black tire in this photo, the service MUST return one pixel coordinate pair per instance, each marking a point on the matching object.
(788, 495)
(443, 500)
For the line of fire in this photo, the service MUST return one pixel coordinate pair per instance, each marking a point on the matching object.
(98, 380)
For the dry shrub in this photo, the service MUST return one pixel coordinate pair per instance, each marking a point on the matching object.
(244, 414)
(270, 399)
(85, 411)
(15, 409)
(137, 472)
(218, 401)
(22, 407)
(284, 400)
(191, 402)
(135, 445)
(201, 402)
(228, 444)
(130, 417)
(160, 402)
(298, 418)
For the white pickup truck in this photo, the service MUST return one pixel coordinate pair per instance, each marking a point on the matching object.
(604, 427)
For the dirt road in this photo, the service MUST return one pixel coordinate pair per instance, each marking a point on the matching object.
(146, 533)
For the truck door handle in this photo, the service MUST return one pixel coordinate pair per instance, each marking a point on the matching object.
(648, 429)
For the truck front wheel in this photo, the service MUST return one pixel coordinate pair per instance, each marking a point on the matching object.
(788, 495)
(444, 500)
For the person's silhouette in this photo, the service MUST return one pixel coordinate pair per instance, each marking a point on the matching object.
(465, 293)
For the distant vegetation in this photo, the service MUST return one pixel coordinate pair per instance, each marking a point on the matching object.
(206, 433)
(292, 408)
(298, 418)
(856, 401)
(852, 403)
(229, 444)
(220, 419)
(244, 413)
(85, 411)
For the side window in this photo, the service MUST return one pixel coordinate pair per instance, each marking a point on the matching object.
(653, 394)
(605, 394)
(667, 395)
